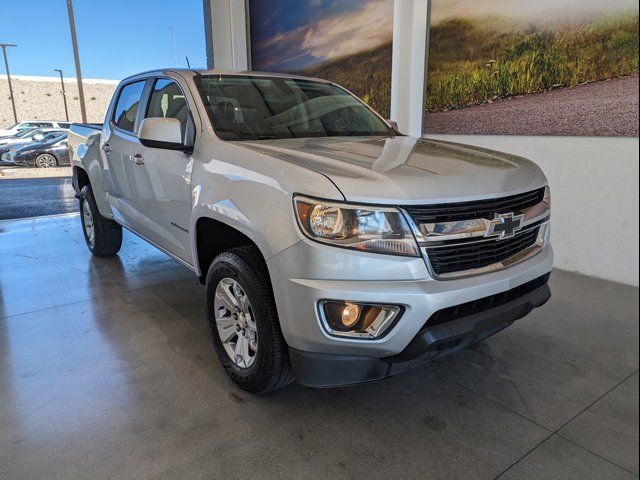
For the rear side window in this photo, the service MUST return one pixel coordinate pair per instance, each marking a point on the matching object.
(167, 101)
(124, 115)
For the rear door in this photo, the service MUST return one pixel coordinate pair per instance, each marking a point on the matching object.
(161, 178)
(118, 138)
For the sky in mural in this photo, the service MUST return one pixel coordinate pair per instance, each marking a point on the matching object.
(290, 35)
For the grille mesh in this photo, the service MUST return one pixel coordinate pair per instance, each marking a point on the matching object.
(467, 256)
(448, 212)
(460, 255)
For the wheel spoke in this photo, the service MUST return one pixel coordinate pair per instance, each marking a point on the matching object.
(242, 352)
(227, 328)
(226, 295)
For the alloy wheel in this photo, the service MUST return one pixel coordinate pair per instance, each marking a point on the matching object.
(235, 323)
(87, 222)
(46, 161)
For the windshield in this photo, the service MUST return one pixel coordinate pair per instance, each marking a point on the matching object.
(260, 108)
(53, 137)
(24, 133)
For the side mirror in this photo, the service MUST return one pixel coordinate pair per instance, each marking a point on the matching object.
(158, 132)
(393, 123)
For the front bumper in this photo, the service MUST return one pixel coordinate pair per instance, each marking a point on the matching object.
(308, 272)
(431, 342)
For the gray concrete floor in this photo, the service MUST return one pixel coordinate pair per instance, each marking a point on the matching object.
(106, 371)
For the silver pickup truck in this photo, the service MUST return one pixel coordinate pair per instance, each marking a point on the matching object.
(333, 249)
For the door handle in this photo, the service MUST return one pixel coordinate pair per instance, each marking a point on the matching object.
(106, 148)
(138, 159)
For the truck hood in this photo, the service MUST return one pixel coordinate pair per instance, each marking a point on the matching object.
(406, 169)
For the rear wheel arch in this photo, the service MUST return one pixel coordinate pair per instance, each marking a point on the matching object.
(80, 178)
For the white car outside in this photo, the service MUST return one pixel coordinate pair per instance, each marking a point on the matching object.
(17, 127)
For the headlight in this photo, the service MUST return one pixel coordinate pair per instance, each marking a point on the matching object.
(360, 227)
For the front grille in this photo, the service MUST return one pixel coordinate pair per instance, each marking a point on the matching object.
(472, 255)
(448, 212)
(483, 304)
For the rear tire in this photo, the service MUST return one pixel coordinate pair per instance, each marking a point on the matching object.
(103, 235)
(46, 160)
(268, 368)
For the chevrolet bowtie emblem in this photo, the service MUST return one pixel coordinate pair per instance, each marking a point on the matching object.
(504, 225)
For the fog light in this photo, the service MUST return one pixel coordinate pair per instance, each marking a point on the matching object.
(359, 320)
(350, 315)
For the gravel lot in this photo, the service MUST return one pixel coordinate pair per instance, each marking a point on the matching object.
(608, 108)
(40, 98)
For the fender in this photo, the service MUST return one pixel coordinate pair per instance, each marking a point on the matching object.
(85, 155)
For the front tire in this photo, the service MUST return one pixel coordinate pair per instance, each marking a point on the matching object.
(243, 321)
(102, 235)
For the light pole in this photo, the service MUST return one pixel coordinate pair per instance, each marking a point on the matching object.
(64, 93)
(76, 57)
(175, 57)
(6, 65)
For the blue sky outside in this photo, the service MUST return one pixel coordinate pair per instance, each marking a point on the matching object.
(116, 38)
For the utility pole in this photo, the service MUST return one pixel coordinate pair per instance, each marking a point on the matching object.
(76, 57)
(64, 93)
(6, 65)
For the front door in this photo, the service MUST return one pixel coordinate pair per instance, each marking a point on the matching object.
(161, 178)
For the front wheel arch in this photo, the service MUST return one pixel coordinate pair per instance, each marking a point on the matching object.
(213, 237)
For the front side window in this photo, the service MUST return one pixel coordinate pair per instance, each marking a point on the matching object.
(124, 115)
(167, 101)
(259, 108)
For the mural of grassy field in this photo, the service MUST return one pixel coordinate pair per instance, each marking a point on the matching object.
(366, 74)
(472, 61)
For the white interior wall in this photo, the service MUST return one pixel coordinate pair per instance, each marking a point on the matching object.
(594, 198)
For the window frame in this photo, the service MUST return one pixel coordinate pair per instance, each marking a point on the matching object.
(136, 122)
(151, 83)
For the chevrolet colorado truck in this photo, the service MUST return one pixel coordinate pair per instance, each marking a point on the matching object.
(334, 250)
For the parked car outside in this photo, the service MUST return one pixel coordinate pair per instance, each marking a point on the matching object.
(7, 151)
(50, 152)
(17, 127)
(31, 135)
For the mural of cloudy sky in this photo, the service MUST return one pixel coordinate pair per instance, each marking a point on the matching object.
(291, 35)
(553, 9)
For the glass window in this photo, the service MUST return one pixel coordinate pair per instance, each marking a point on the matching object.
(257, 108)
(126, 109)
(25, 132)
(167, 101)
(64, 124)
